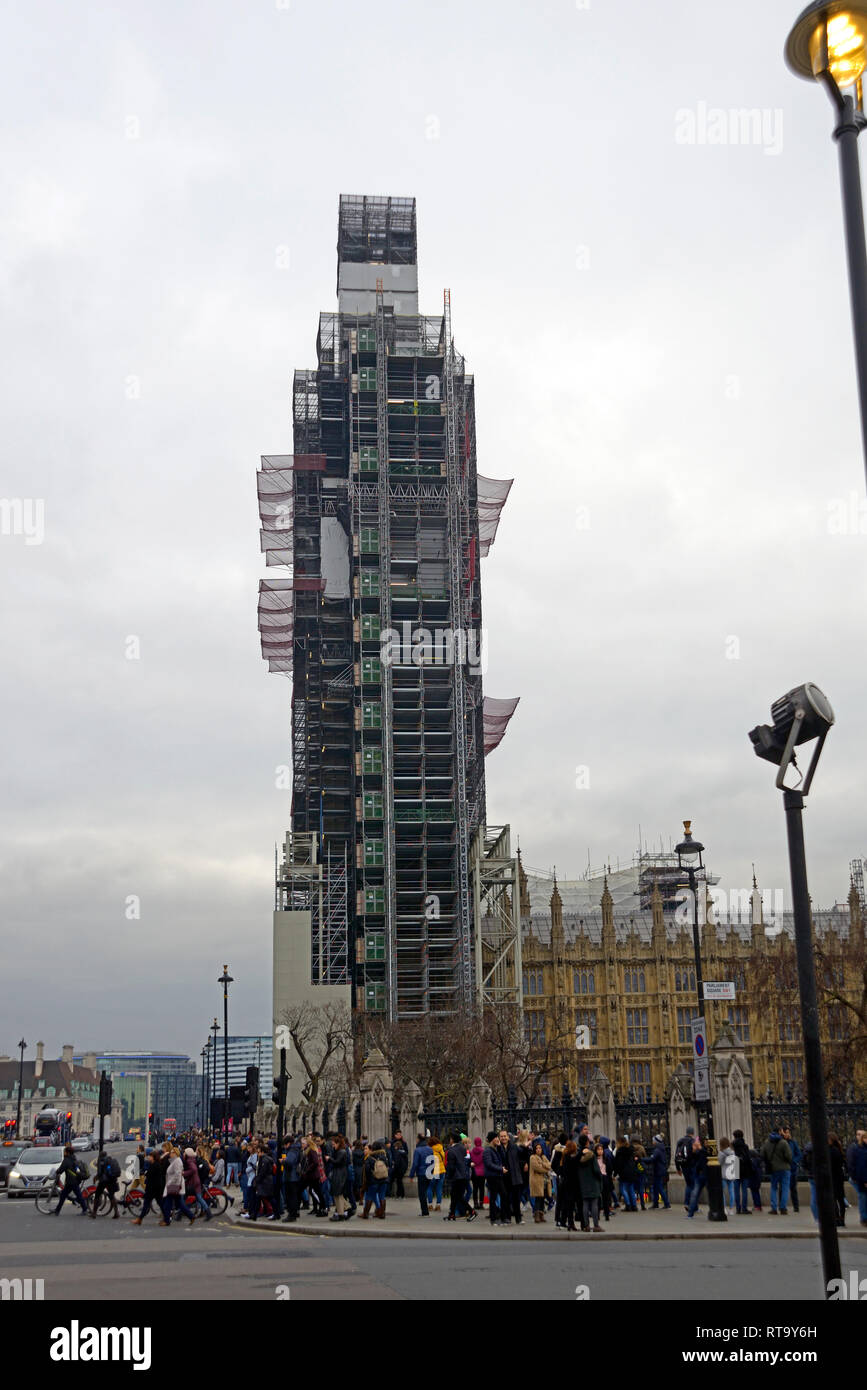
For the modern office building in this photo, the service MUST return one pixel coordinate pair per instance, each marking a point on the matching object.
(381, 518)
(251, 1050)
(175, 1089)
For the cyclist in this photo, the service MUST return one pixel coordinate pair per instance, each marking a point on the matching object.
(72, 1171)
(107, 1175)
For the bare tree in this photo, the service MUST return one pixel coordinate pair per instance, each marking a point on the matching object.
(512, 1057)
(321, 1039)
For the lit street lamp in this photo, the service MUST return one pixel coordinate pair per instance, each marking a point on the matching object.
(689, 853)
(800, 716)
(828, 44)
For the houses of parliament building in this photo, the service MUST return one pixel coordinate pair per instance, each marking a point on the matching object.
(615, 954)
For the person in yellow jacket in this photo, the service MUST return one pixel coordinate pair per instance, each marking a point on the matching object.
(437, 1182)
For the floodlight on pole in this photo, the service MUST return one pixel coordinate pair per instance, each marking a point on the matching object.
(802, 715)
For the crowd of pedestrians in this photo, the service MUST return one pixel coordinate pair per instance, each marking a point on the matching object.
(780, 1159)
(580, 1181)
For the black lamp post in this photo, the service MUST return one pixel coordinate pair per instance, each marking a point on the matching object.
(828, 44)
(215, 1028)
(800, 716)
(225, 980)
(22, 1044)
(689, 853)
(203, 1054)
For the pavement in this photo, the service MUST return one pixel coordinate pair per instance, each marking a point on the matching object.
(105, 1261)
(403, 1220)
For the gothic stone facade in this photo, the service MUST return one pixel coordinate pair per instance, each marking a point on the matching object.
(630, 977)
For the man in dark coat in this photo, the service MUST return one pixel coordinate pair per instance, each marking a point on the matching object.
(154, 1186)
(659, 1168)
(458, 1174)
(399, 1153)
(496, 1175)
(69, 1167)
(291, 1181)
(423, 1164)
(516, 1174)
(699, 1174)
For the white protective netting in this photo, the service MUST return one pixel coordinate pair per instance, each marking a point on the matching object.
(277, 623)
(492, 496)
(275, 486)
(496, 715)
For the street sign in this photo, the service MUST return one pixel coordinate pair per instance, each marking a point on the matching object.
(700, 1068)
(282, 1037)
(719, 989)
(582, 1035)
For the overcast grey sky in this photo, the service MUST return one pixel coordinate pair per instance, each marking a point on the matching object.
(659, 328)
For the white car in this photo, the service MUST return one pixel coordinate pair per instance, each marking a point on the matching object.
(33, 1168)
(83, 1143)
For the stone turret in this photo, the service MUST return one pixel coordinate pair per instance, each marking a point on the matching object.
(856, 916)
(556, 920)
(523, 888)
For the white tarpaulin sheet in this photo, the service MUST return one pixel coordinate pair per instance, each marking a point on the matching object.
(334, 553)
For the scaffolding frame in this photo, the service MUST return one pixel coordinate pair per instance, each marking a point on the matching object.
(496, 919)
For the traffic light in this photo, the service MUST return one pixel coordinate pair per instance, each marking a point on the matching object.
(251, 1091)
(105, 1089)
(278, 1094)
(69, 1117)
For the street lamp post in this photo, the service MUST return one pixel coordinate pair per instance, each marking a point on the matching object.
(689, 853)
(22, 1044)
(225, 980)
(828, 44)
(800, 716)
(215, 1028)
(203, 1054)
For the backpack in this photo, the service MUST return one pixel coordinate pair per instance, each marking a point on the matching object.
(681, 1154)
(81, 1171)
(380, 1170)
(112, 1168)
(204, 1170)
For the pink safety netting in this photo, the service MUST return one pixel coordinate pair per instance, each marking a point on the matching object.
(275, 487)
(277, 623)
(492, 496)
(496, 715)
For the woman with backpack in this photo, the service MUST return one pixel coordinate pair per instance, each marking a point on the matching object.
(193, 1182)
(376, 1173)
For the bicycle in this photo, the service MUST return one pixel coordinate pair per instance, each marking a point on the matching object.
(49, 1195)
